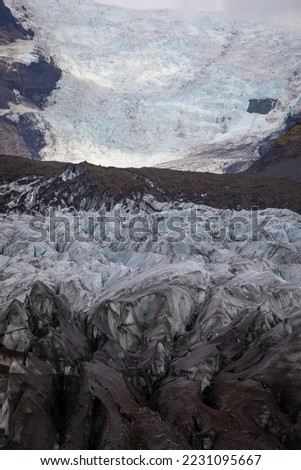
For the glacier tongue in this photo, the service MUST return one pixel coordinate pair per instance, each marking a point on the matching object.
(153, 344)
(146, 87)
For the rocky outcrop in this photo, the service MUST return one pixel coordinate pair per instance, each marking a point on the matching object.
(11, 142)
(28, 86)
(261, 106)
(24, 137)
(10, 28)
(283, 158)
(25, 87)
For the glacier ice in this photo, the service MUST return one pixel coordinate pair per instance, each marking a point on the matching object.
(145, 87)
(157, 344)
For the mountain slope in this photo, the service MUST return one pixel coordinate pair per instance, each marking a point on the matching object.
(10, 28)
(283, 159)
(26, 80)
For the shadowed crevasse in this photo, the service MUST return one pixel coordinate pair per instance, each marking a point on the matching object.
(92, 187)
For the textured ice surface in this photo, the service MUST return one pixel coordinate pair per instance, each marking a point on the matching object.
(206, 333)
(145, 87)
(88, 270)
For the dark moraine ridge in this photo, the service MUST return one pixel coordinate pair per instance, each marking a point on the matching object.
(93, 185)
(33, 82)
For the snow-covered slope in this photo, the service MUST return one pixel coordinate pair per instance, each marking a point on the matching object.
(146, 87)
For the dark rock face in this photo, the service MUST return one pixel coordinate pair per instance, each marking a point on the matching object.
(10, 139)
(10, 28)
(33, 137)
(38, 80)
(261, 106)
(283, 158)
(292, 120)
(30, 86)
(60, 386)
(27, 85)
(33, 83)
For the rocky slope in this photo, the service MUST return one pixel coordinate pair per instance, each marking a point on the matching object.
(283, 159)
(182, 335)
(10, 28)
(26, 81)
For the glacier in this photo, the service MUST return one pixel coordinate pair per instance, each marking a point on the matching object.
(145, 88)
(68, 252)
(150, 344)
